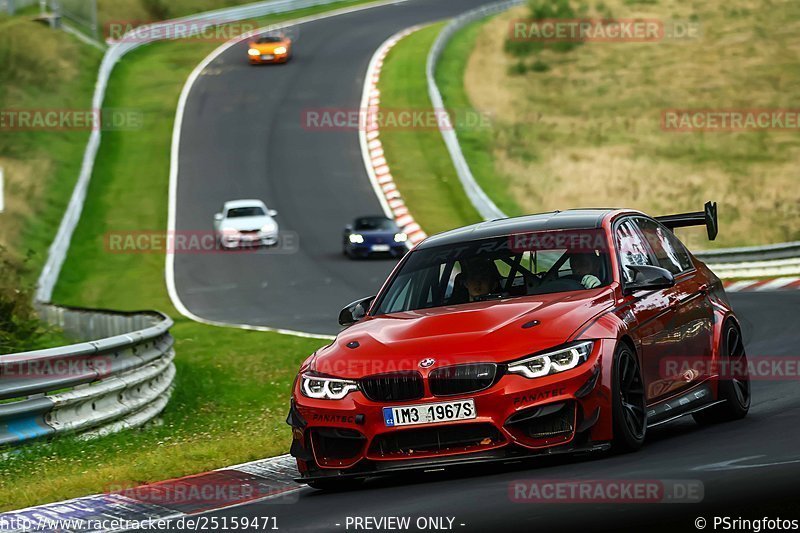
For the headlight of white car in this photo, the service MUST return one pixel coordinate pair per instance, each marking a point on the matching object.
(355, 238)
(321, 388)
(268, 228)
(559, 360)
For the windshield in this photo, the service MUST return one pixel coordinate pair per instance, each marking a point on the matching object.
(512, 266)
(269, 39)
(237, 212)
(375, 224)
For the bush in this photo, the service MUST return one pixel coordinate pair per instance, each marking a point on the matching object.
(20, 329)
(540, 10)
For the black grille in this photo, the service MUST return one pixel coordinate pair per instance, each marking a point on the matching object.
(334, 443)
(440, 439)
(544, 422)
(462, 379)
(395, 387)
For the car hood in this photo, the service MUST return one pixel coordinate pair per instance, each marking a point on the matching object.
(246, 223)
(268, 48)
(378, 235)
(475, 332)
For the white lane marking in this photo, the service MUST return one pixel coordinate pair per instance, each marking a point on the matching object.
(776, 283)
(169, 266)
(2, 193)
(740, 285)
(732, 464)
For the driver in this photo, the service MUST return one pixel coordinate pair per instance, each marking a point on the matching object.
(585, 268)
(481, 278)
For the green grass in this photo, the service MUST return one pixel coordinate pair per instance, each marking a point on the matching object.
(475, 142)
(41, 70)
(229, 406)
(232, 386)
(420, 162)
(581, 127)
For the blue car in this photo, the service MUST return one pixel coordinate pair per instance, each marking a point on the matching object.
(375, 235)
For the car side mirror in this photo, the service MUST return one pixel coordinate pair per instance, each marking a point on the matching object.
(272, 212)
(218, 216)
(348, 228)
(649, 278)
(355, 311)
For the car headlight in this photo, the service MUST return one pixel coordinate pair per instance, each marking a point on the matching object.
(355, 238)
(280, 50)
(326, 388)
(548, 363)
(254, 52)
(268, 228)
(400, 237)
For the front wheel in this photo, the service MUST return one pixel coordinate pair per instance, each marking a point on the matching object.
(628, 401)
(734, 384)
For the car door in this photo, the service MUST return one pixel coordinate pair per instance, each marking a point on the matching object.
(687, 358)
(664, 317)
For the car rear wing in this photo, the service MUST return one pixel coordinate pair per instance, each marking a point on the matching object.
(707, 218)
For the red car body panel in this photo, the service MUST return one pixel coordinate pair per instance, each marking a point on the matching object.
(684, 319)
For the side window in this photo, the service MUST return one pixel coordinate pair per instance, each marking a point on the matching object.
(669, 251)
(631, 246)
(398, 298)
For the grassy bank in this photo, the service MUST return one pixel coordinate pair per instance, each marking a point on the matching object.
(419, 159)
(475, 142)
(581, 126)
(41, 70)
(232, 386)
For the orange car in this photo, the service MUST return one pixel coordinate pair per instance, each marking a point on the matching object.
(270, 49)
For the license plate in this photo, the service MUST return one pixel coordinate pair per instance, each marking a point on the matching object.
(410, 415)
(380, 247)
(267, 57)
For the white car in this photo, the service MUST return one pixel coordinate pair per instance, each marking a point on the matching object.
(245, 223)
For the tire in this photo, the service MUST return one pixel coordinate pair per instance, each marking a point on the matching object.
(735, 390)
(628, 408)
(336, 485)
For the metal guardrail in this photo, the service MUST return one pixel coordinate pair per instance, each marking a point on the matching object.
(772, 260)
(156, 32)
(769, 252)
(483, 204)
(95, 387)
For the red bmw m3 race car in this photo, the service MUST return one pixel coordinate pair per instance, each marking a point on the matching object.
(561, 332)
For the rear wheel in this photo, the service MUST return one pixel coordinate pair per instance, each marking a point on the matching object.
(628, 401)
(734, 386)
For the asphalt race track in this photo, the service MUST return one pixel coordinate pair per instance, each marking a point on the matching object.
(243, 136)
